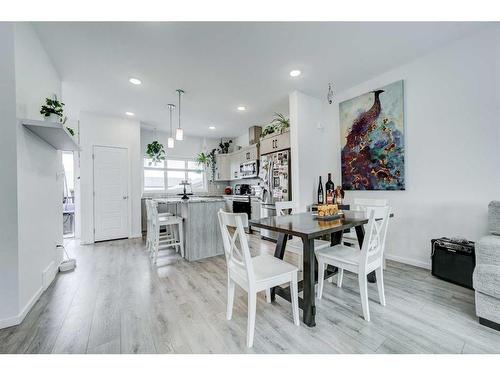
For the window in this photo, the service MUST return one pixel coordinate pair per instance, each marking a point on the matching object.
(166, 176)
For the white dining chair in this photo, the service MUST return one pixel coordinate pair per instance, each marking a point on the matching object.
(295, 244)
(361, 204)
(174, 224)
(369, 259)
(255, 274)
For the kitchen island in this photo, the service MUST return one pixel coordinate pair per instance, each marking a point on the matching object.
(202, 237)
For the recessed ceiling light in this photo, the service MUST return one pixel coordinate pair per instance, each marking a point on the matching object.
(295, 73)
(130, 113)
(135, 81)
(211, 127)
(241, 108)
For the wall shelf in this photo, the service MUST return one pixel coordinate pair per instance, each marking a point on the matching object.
(54, 133)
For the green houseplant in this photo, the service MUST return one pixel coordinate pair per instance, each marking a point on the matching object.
(156, 152)
(208, 160)
(53, 110)
(279, 124)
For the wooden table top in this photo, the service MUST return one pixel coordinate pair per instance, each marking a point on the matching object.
(307, 226)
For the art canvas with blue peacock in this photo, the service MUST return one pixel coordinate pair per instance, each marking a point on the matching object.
(372, 140)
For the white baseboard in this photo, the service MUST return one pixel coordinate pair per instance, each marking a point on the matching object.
(15, 320)
(48, 275)
(411, 262)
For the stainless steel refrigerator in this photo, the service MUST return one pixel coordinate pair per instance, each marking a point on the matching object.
(274, 171)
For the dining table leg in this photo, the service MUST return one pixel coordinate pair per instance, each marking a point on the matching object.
(279, 252)
(360, 233)
(309, 281)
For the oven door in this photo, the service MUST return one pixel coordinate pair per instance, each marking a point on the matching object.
(242, 204)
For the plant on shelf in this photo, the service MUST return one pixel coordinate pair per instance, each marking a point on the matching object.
(156, 152)
(208, 160)
(53, 110)
(224, 146)
(279, 124)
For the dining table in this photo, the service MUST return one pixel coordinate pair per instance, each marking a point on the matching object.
(308, 227)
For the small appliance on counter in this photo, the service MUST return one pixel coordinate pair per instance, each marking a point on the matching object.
(453, 260)
(242, 189)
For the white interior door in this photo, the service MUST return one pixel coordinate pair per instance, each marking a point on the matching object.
(111, 206)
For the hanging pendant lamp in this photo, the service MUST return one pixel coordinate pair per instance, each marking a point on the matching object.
(170, 140)
(179, 134)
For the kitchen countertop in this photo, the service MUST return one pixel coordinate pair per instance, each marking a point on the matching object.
(190, 200)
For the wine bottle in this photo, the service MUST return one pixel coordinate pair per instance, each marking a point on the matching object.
(330, 190)
(320, 192)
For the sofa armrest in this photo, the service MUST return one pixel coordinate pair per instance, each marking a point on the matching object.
(488, 250)
(486, 279)
(494, 217)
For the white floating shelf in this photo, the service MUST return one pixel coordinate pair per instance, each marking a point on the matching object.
(54, 133)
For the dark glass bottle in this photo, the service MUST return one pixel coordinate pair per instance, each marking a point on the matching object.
(320, 192)
(330, 190)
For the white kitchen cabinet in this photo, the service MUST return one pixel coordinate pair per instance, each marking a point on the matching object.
(223, 167)
(235, 165)
(249, 153)
(275, 143)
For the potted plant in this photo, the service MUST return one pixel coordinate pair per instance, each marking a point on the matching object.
(279, 124)
(156, 152)
(224, 146)
(52, 110)
(208, 160)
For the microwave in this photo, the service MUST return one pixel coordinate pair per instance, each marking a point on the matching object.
(249, 169)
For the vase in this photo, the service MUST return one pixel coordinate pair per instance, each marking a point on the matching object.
(52, 118)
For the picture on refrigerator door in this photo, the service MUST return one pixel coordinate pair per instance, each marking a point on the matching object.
(372, 137)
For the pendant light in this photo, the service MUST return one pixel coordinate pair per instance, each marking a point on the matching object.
(170, 140)
(179, 134)
(329, 95)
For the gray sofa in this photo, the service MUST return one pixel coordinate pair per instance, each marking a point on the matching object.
(486, 278)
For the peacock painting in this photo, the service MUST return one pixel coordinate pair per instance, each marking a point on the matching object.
(372, 140)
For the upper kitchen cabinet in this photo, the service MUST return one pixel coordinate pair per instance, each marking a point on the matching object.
(223, 167)
(249, 153)
(275, 143)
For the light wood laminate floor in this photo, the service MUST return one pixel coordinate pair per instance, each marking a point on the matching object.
(117, 302)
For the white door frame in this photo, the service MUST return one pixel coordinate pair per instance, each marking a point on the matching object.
(129, 205)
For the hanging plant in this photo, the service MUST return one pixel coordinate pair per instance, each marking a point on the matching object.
(156, 152)
(208, 160)
(53, 110)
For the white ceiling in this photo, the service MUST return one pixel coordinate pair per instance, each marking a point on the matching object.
(223, 65)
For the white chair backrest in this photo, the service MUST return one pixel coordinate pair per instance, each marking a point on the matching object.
(366, 204)
(284, 208)
(236, 256)
(374, 241)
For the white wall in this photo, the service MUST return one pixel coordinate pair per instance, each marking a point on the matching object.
(452, 145)
(39, 166)
(37, 198)
(8, 185)
(312, 151)
(102, 130)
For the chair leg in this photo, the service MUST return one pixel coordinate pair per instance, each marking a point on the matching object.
(321, 278)
(230, 298)
(300, 261)
(340, 277)
(294, 289)
(363, 291)
(380, 285)
(181, 238)
(268, 295)
(252, 307)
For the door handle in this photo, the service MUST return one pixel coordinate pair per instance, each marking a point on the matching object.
(125, 197)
